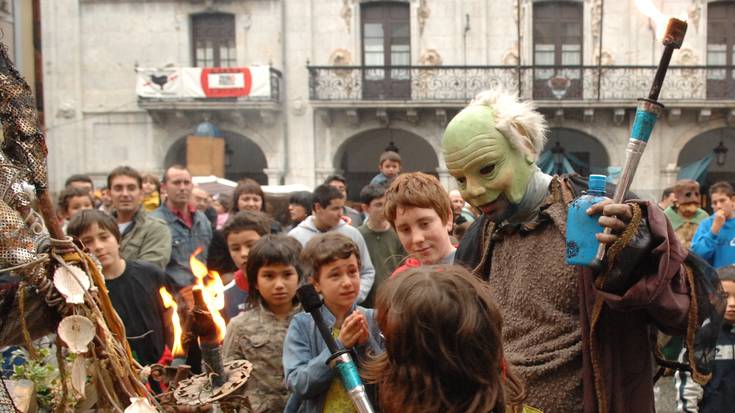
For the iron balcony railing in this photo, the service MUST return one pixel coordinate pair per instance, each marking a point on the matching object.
(461, 83)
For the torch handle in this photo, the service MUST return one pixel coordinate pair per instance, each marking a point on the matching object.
(663, 66)
(212, 363)
(342, 362)
(645, 119)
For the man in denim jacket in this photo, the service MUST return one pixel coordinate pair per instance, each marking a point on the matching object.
(190, 229)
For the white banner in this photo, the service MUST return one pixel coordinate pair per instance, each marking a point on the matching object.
(210, 82)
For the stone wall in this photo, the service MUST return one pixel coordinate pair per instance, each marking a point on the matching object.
(91, 48)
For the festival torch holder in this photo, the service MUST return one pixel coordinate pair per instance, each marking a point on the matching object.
(222, 383)
(210, 347)
(646, 115)
(342, 362)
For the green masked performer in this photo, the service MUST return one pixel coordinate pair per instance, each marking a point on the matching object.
(579, 340)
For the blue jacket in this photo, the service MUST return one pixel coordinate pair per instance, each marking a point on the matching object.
(380, 179)
(305, 357)
(718, 250)
(184, 241)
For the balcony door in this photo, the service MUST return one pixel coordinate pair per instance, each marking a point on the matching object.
(557, 42)
(386, 42)
(721, 50)
(213, 40)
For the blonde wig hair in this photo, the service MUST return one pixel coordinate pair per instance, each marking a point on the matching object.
(519, 121)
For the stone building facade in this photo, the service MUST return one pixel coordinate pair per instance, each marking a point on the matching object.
(352, 76)
(18, 22)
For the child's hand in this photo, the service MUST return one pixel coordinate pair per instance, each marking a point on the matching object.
(354, 330)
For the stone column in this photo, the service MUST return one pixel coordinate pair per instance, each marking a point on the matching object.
(323, 172)
(446, 180)
(668, 175)
(275, 176)
(62, 68)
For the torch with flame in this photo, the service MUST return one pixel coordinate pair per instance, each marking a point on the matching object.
(169, 302)
(659, 20)
(208, 323)
(213, 292)
(672, 36)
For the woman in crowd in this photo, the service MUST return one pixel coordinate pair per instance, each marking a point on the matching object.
(249, 196)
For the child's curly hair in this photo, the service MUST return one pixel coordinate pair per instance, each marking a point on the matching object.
(443, 342)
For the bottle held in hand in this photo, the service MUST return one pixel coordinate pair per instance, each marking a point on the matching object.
(582, 245)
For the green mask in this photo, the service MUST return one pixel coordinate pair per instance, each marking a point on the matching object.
(492, 175)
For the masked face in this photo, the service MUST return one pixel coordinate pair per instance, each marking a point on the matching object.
(491, 174)
(687, 210)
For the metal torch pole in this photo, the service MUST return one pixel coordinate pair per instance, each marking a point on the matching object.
(645, 119)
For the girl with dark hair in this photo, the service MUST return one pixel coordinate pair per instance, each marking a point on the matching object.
(299, 207)
(257, 335)
(443, 346)
(249, 196)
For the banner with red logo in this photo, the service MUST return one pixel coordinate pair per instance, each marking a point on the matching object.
(207, 82)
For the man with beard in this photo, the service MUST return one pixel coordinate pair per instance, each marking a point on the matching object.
(578, 338)
(685, 215)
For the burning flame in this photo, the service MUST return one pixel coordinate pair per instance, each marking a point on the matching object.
(213, 291)
(169, 302)
(659, 19)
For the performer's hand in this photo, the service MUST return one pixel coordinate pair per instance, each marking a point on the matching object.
(614, 216)
(718, 221)
(354, 330)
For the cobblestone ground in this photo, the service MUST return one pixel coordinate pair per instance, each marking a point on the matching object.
(665, 395)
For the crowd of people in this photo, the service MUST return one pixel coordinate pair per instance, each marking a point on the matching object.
(454, 301)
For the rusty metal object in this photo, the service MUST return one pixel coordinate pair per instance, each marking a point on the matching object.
(24, 142)
(170, 375)
(198, 390)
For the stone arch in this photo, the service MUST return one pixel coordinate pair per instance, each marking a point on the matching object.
(702, 144)
(244, 158)
(357, 156)
(582, 145)
(429, 132)
(694, 131)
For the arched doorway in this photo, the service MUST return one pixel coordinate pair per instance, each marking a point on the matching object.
(580, 151)
(243, 157)
(699, 161)
(358, 156)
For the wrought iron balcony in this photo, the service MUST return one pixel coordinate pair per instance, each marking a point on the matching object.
(546, 83)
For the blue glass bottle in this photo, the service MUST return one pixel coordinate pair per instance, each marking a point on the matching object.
(581, 228)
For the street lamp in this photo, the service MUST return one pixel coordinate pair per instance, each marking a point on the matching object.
(720, 153)
(558, 152)
(229, 154)
(391, 145)
(721, 150)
